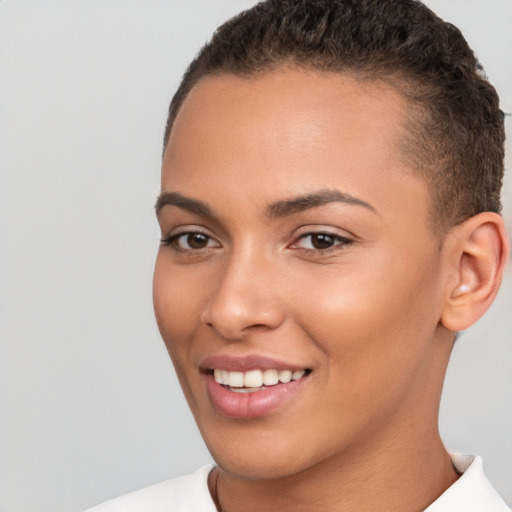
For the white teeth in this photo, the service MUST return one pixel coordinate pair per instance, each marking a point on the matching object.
(236, 379)
(298, 374)
(285, 376)
(254, 379)
(270, 377)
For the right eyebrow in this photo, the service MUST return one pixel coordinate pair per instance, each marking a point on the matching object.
(185, 203)
(313, 200)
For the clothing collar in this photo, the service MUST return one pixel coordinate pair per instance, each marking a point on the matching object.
(472, 492)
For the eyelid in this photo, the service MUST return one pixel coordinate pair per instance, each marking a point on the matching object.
(324, 228)
(341, 240)
(177, 233)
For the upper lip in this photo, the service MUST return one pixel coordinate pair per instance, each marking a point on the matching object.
(245, 363)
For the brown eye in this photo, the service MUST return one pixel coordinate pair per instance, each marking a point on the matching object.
(197, 241)
(190, 241)
(322, 241)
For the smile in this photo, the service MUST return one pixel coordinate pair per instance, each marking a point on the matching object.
(253, 393)
(255, 380)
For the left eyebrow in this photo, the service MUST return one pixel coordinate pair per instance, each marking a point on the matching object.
(307, 201)
(180, 201)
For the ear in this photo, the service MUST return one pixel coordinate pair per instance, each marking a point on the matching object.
(477, 252)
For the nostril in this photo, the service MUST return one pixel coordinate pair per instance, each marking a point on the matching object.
(257, 327)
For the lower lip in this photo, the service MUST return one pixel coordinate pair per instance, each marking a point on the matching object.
(253, 404)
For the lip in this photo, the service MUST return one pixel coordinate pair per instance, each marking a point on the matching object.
(249, 405)
(246, 363)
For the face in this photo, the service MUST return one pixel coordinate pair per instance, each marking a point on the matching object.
(297, 287)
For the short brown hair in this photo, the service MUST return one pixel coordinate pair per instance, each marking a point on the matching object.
(456, 129)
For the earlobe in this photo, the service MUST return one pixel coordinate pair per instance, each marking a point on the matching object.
(478, 254)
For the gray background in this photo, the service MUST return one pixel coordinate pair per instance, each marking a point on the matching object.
(89, 404)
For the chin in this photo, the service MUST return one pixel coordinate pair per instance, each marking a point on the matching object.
(253, 467)
(251, 455)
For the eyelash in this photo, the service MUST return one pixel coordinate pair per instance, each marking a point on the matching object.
(172, 241)
(338, 242)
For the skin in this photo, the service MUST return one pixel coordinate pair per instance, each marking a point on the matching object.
(364, 315)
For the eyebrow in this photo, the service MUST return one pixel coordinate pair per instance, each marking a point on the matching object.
(307, 201)
(185, 203)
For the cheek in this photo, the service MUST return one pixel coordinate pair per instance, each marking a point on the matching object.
(374, 324)
(176, 304)
(176, 301)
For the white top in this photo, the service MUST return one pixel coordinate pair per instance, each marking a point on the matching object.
(472, 492)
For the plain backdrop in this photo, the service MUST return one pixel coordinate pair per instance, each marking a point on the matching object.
(89, 404)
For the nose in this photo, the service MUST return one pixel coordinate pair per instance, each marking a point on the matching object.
(244, 300)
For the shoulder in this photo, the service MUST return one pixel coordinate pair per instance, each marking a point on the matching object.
(183, 494)
(472, 492)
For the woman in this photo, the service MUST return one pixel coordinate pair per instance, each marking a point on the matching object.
(329, 212)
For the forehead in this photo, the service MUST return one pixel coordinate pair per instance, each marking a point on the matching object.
(295, 103)
(289, 131)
